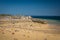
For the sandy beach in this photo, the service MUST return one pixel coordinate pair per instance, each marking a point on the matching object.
(28, 30)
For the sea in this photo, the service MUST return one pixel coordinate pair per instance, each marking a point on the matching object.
(51, 19)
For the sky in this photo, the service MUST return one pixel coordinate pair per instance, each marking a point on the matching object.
(30, 7)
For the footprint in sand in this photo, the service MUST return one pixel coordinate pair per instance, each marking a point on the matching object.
(13, 33)
(16, 30)
(45, 39)
(28, 36)
(15, 39)
(24, 35)
(30, 25)
(3, 33)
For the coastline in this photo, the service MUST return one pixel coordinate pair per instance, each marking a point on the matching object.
(26, 29)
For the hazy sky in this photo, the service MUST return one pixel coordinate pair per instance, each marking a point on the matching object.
(30, 7)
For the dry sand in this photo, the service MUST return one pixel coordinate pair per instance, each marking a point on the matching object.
(28, 31)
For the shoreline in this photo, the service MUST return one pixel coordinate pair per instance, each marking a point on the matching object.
(26, 29)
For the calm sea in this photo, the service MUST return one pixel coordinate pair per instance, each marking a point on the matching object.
(50, 19)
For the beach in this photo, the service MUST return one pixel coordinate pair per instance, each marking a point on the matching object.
(22, 29)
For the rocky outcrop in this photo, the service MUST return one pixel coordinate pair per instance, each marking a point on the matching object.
(38, 20)
(22, 19)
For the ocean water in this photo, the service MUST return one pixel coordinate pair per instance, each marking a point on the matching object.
(48, 17)
(51, 19)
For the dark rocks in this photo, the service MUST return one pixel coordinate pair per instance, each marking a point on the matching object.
(38, 21)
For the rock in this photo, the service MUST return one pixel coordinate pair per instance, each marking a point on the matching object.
(38, 21)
